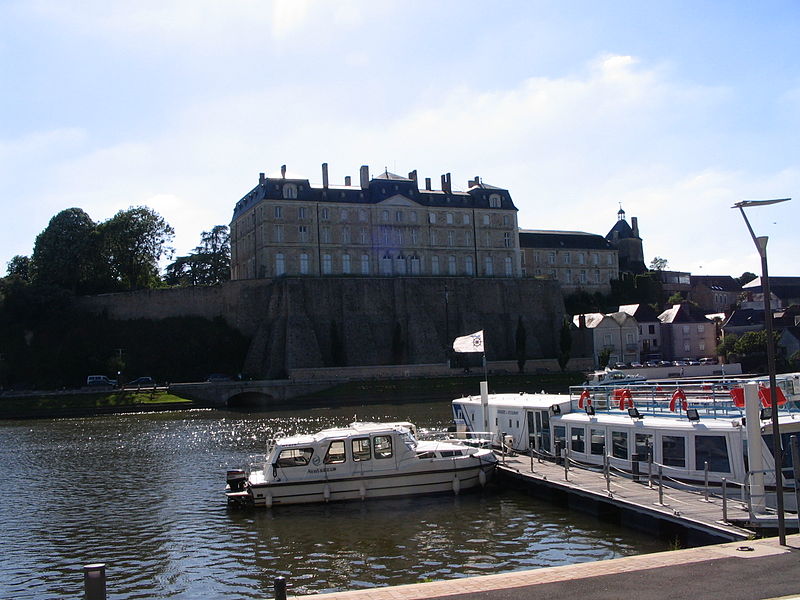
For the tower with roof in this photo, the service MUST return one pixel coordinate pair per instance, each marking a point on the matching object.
(625, 238)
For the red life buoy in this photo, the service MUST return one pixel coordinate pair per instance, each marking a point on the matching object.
(678, 395)
(623, 396)
(737, 394)
(585, 398)
(764, 396)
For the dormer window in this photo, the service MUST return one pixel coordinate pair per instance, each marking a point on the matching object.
(290, 191)
(494, 201)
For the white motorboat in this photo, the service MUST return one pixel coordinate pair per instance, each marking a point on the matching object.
(613, 377)
(693, 432)
(364, 460)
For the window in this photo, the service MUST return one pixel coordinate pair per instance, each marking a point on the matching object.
(581, 258)
(551, 258)
(451, 238)
(567, 258)
(449, 218)
(335, 453)
(365, 264)
(290, 190)
(687, 347)
(486, 220)
(577, 437)
(415, 265)
(386, 265)
(434, 265)
(506, 221)
(400, 265)
(712, 449)
(278, 212)
(643, 445)
(629, 338)
(469, 266)
(465, 219)
(302, 212)
(595, 259)
(583, 276)
(701, 328)
(651, 329)
(610, 260)
(361, 449)
(345, 235)
(467, 238)
(701, 346)
(280, 265)
(451, 265)
(346, 264)
(413, 216)
(327, 264)
(398, 216)
(488, 266)
(326, 235)
(295, 457)
(414, 237)
(304, 264)
(509, 266)
(673, 450)
(302, 231)
(560, 436)
(384, 215)
(343, 214)
(619, 444)
(323, 214)
(494, 201)
(278, 233)
(597, 443)
(363, 236)
(362, 215)
(686, 329)
(382, 446)
(507, 239)
(432, 218)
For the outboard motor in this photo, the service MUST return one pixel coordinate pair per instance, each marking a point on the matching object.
(236, 479)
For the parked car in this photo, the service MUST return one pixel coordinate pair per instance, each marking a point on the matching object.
(653, 363)
(143, 381)
(620, 365)
(693, 362)
(708, 361)
(679, 363)
(98, 380)
(636, 365)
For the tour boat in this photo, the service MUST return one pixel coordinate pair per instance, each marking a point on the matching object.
(364, 460)
(694, 432)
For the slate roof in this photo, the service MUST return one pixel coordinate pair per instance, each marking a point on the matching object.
(538, 238)
(682, 313)
(380, 188)
(745, 317)
(643, 313)
(623, 230)
(720, 283)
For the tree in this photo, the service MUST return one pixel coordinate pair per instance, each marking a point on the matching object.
(658, 264)
(66, 252)
(726, 346)
(746, 278)
(565, 344)
(603, 357)
(209, 263)
(134, 240)
(676, 298)
(19, 267)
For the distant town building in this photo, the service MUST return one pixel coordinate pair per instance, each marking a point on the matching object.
(714, 293)
(617, 333)
(382, 226)
(785, 289)
(625, 238)
(578, 260)
(686, 333)
(649, 329)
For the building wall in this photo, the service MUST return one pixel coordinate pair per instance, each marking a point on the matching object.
(689, 340)
(575, 269)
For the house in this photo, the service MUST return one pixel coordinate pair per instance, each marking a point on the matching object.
(649, 329)
(616, 333)
(380, 226)
(785, 289)
(673, 282)
(686, 333)
(714, 293)
(578, 260)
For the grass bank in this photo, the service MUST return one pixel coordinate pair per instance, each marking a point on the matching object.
(59, 404)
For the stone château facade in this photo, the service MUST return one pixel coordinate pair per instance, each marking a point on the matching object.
(384, 226)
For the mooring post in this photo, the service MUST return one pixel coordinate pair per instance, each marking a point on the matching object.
(660, 485)
(635, 466)
(606, 470)
(94, 581)
(280, 588)
(649, 466)
(724, 500)
(705, 471)
(566, 464)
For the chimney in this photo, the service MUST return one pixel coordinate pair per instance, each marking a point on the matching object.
(635, 226)
(413, 176)
(347, 180)
(260, 179)
(475, 182)
(428, 183)
(283, 171)
(364, 177)
(325, 175)
(446, 183)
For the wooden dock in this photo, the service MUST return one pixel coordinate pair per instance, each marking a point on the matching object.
(631, 502)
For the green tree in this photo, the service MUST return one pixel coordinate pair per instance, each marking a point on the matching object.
(66, 252)
(603, 357)
(565, 344)
(209, 263)
(746, 278)
(19, 267)
(676, 298)
(658, 264)
(134, 240)
(726, 345)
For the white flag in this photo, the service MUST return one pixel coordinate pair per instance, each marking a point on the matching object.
(469, 343)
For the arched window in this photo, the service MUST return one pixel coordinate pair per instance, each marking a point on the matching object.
(346, 264)
(304, 264)
(365, 264)
(509, 266)
(280, 265)
(469, 266)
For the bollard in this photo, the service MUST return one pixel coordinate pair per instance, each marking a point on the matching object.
(705, 471)
(724, 500)
(635, 466)
(649, 467)
(607, 470)
(796, 469)
(94, 581)
(660, 485)
(566, 465)
(280, 588)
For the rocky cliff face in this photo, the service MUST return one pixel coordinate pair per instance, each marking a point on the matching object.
(313, 322)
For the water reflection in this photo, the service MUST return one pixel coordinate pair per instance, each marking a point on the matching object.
(143, 493)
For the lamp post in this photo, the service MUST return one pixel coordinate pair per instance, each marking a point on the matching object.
(761, 246)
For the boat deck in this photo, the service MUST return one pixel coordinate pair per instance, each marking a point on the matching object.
(683, 508)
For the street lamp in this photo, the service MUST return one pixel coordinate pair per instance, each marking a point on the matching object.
(761, 246)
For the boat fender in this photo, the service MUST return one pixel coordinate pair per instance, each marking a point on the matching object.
(456, 484)
(326, 492)
(482, 478)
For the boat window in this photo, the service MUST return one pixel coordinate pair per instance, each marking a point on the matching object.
(577, 435)
(786, 445)
(673, 450)
(427, 454)
(295, 457)
(560, 436)
(382, 445)
(619, 444)
(712, 449)
(335, 453)
(644, 445)
(361, 449)
(449, 453)
(598, 441)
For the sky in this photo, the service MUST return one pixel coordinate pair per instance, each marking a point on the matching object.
(672, 110)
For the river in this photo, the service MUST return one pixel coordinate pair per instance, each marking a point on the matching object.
(143, 493)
